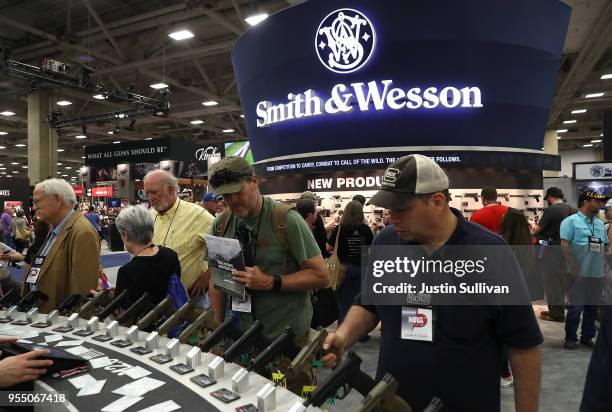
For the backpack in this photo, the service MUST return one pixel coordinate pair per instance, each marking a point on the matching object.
(279, 223)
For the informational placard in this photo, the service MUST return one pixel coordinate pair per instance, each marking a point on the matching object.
(593, 171)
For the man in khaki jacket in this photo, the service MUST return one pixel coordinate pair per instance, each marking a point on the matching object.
(68, 262)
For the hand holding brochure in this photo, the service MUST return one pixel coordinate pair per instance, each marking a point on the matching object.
(224, 257)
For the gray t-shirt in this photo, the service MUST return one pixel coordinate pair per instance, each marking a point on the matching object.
(551, 221)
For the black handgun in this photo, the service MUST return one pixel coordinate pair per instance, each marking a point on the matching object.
(244, 343)
(275, 349)
(114, 305)
(344, 375)
(536, 196)
(8, 298)
(30, 300)
(218, 334)
(156, 313)
(88, 308)
(71, 302)
(142, 304)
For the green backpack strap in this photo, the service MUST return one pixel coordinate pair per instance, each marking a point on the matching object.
(222, 222)
(279, 224)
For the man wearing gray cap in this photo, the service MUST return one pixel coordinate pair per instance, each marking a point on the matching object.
(283, 260)
(459, 360)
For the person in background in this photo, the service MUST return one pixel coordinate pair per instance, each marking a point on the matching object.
(490, 215)
(314, 220)
(20, 232)
(180, 226)
(41, 230)
(213, 204)
(8, 256)
(361, 199)
(69, 260)
(350, 235)
(514, 228)
(151, 266)
(583, 240)
(6, 219)
(551, 261)
(94, 219)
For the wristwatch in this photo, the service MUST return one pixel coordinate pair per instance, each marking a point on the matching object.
(278, 283)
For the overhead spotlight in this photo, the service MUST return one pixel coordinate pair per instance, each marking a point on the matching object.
(7, 113)
(210, 103)
(181, 35)
(64, 103)
(99, 96)
(255, 19)
(158, 86)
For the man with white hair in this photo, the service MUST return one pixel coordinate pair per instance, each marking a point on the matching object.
(69, 260)
(180, 226)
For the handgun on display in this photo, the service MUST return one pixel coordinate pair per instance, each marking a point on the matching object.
(274, 350)
(156, 313)
(114, 305)
(206, 320)
(175, 318)
(136, 309)
(244, 343)
(506, 196)
(71, 303)
(217, 335)
(382, 397)
(536, 196)
(311, 349)
(30, 300)
(472, 195)
(9, 298)
(89, 308)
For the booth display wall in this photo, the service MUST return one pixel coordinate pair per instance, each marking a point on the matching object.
(15, 189)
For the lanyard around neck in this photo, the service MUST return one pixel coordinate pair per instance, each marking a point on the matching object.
(171, 221)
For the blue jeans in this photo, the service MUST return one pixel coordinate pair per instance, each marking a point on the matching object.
(8, 240)
(584, 296)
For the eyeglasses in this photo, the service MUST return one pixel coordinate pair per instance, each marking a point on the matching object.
(224, 177)
(37, 201)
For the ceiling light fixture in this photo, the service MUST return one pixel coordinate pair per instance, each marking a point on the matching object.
(196, 121)
(569, 122)
(593, 95)
(7, 113)
(558, 137)
(110, 132)
(20, 145)
(80, 136)
(210, 103)
(3, 133)
(579, 111)
(587, 145)
(606, 76)
(60, 150)
(149, 138)
(116, 142)
(596, 141)
(181, 35)
(157, 86)
(228, 130)
(99, 96)
(255, 19)
(64, 103)
(14, 163)
(562, 131)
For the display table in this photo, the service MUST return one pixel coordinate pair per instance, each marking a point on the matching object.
(176, 387)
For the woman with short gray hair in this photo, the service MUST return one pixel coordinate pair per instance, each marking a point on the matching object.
(151, 265)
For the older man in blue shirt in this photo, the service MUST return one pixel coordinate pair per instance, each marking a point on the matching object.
(583, 240)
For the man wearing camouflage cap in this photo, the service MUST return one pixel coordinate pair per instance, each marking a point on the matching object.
(286, 261)
(459, 360)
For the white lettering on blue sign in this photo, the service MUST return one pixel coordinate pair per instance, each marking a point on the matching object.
(364, 97)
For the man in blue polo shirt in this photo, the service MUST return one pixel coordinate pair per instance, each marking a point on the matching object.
(583, 240)
(461, 365)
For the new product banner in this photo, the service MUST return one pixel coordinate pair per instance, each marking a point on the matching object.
(348, 74)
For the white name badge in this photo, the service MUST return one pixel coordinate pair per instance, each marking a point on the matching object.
(242, 306)
(594, 244)
(417, 324)
(33, 275)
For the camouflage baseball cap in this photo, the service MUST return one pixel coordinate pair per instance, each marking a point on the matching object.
(226, 176)
(308, 195)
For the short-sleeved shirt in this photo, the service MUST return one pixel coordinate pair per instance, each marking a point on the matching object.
(352, 238)
(182, 229)
(490, 217)
(467, 338)
(551, 222)
(277, 309)
(577, 229)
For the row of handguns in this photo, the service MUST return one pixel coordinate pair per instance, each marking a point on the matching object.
(378, 396)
